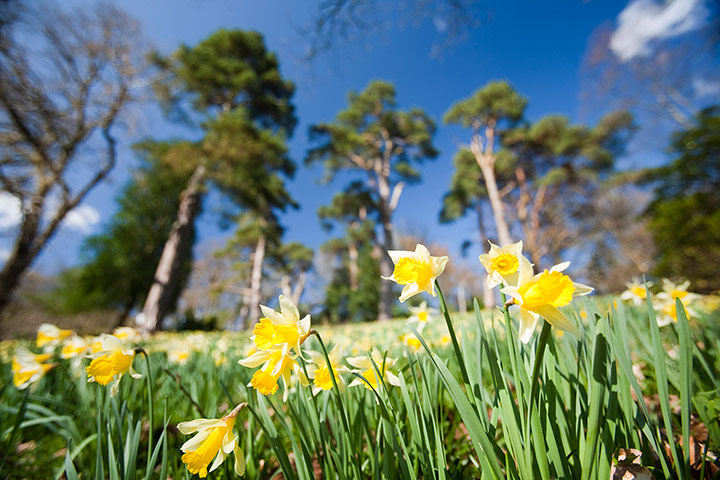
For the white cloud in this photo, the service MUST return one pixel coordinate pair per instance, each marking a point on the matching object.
(4, 254)
(82, 219)
(643, 21)
(705, 87)
(10, 214)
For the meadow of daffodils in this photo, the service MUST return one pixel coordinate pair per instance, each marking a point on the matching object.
(553, 384)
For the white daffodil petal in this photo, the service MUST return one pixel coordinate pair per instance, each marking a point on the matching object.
(527, 326)
(288, 311)
(193, 426)
(557, 319)
(396, 255)
(239, 460)
(195, 442)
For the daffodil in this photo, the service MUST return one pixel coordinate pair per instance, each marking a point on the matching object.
(503, 264)
(49, 336)
(111, 363)
(127, 334)
(275, 365)
(664, 302)
(421, 315)
(636, 292)
(28, 367)
(416, 271)
(73, 347)
(541, 295)
(411, 341)
(179, 354)
(283, 329)
(319, 372)
(213, 439)
(364, 368)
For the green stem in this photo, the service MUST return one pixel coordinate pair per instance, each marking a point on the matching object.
(150, 403)
(451, 330)
(539, 354)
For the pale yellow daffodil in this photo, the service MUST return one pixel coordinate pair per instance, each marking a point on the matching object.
(283, 329)
(73, 347)
(416, 271)
(319, 372)
(541, 295)
(213, 439)
(28, 367)
(364, 367)
(49, 336)
(636, 292)
(275, 365)
(111, 363)
(503, 264)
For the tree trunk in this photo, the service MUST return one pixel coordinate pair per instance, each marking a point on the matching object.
(386, 269)
(353, 269)
(23, 254)
(256, 282)
(501, 225)
(177, 247)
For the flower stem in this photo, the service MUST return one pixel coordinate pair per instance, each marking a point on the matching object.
(539, 354)
(150, 403)
(451, 330)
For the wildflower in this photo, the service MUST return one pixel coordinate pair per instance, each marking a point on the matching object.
(49, 336)
(636, 292)
(319, 372)
(126, 333)
(275, 365)
(179, 355)
(664, 302)
(365, 369)
(282, 329)
(111, 363)
(95, 344)
(73, 347)
(421, 315)
(416, 270)
(541, 296)
(411, 341)
(503, 264)
(214, 439)
(28, 367)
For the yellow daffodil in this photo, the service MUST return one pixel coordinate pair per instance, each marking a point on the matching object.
(28, 367)
(283, 329)
(73, 347)
(541, 296)
(416, 271)
(636, 293)
(179, 354)
(95, 344)
(213, 439)
(319, 372)
(49, 336)
(421, 315)
(111, 363)
(365, 369)
(503, 264)
(275, 365)
(127, 334)
(411, 341)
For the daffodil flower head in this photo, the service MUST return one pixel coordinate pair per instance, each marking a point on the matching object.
(127, 334)
(416, 271)
(213, 439)
(421, 315)
(503, 265)
(541, 295)
(636, 292)
(28, 367)
(283, 329)
(364, 367)
(111, 363)
(73, 347)
(276, 364)
(49, 336)
(319, 372)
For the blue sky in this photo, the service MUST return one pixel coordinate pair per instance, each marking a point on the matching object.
(537, 46)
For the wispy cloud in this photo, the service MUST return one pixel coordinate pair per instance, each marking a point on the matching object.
(644, 21)
(705, 87)
(82, 219)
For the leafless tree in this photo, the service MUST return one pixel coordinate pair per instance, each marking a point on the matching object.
(66, 79)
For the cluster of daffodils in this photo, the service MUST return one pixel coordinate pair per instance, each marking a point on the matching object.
(111, 358)
(664, 301)
(277, 338)
(534, 295)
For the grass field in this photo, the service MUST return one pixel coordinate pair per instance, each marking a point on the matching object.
(624, 394)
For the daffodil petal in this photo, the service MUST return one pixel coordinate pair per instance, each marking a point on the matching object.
(557, 319)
